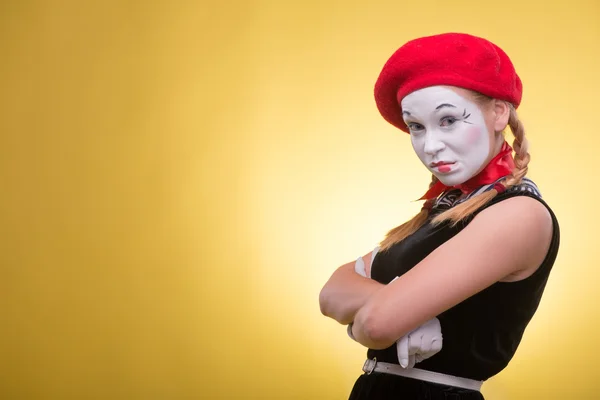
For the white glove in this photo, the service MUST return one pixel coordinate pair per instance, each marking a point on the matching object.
(420, 344)
(359, 265)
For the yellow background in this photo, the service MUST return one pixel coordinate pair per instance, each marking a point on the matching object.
(179, 179)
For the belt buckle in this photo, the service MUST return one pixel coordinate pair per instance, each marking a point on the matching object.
(369, 365)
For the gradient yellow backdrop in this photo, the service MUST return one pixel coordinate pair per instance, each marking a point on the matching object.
(180, 178)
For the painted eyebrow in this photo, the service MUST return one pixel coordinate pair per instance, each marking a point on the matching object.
(405, 112)
(445, 105)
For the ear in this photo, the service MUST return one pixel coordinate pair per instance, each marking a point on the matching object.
(501, 115)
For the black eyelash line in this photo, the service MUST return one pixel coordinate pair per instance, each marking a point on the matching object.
(465, 117)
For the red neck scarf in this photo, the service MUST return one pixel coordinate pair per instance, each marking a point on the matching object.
(499, 166)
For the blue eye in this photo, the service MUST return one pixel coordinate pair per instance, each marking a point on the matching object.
(447, 121)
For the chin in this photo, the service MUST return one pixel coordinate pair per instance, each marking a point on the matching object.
(452, 179)
(449, 181)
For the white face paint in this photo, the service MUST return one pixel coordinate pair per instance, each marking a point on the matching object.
(448, 133)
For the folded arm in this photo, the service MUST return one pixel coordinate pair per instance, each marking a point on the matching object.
(508, 239)
(347, 291)
(414, 347)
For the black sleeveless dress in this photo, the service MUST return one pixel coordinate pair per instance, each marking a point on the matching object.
(481, 334)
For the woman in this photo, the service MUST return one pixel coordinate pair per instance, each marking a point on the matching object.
(471, 267)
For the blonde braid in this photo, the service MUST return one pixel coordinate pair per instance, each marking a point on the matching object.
(521, 147)
(399, 233)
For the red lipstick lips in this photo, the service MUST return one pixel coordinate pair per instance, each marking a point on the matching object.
(439, 163)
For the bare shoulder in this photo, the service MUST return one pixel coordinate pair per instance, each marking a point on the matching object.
(522, 226)
(517, 209)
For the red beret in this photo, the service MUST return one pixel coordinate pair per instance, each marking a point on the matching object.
(453, 59)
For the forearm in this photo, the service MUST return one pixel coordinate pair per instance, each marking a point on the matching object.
(364, 331)
(345, 293)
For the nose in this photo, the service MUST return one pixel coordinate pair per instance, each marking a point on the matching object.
(433, 144)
